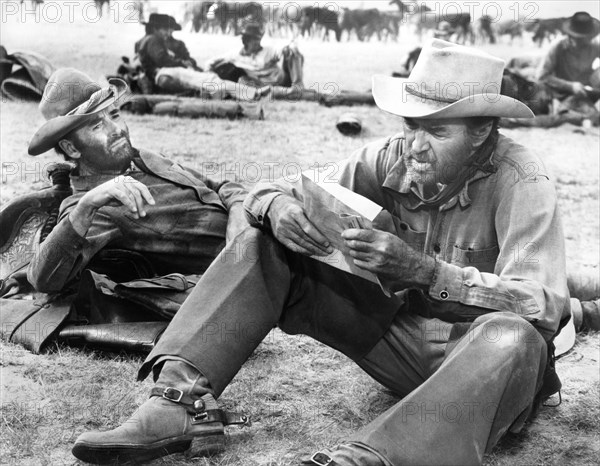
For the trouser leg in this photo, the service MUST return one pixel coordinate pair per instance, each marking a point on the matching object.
(233, 307)
(485, 382)
(255, 284)
(178, 79)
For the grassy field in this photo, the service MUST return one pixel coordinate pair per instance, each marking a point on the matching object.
(302, 395)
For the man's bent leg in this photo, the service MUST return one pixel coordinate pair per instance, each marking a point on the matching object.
(487, 380)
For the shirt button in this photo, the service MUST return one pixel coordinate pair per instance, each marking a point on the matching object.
(436, 248)
(260, 218)
(444, 295)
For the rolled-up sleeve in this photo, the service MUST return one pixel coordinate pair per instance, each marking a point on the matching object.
(529, 276)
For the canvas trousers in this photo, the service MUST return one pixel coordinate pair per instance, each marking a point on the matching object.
(206, 83)
(464, 384)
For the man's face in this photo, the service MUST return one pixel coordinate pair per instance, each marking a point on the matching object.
(251, 44)
(163, 33)
(104, 143)
(436, 149)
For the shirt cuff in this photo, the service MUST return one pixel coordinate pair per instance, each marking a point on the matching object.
(447, 282)
(257, 208)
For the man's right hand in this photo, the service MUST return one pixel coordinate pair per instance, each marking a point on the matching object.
(122, 190)
(294, 230)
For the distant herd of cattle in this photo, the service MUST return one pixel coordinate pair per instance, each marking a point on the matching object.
(291, 19)
(362, 24)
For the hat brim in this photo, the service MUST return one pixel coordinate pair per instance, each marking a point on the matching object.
(51, 132)
(593, 33)
(391, 96)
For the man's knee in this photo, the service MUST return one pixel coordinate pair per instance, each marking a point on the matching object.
(250, 246)
(508, 334)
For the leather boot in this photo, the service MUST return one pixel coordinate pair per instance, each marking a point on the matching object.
(348, 454)
(181, 416)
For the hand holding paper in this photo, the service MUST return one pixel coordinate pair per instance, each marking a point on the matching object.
(391, 259)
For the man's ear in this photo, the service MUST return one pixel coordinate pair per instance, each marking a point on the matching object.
(69, 149)
(480, 134)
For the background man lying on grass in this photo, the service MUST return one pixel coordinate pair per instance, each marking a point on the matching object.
(465, 325)
(124, 197)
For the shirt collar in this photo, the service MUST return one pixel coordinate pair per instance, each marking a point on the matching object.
(88, 182)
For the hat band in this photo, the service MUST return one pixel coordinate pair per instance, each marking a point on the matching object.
(432, 95)
(96, 99)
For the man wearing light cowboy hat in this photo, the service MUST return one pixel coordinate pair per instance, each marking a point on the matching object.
(463, 329)
(567, 66)
(123, 197)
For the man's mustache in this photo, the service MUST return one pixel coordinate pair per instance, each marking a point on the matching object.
(118, 137)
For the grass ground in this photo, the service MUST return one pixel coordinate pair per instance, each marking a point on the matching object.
(301, 395)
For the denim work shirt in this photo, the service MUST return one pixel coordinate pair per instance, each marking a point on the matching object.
(183, 232)
(498, 243)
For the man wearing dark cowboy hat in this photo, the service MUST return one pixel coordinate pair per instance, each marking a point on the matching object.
(123, 197)
(567, 66)
(264, 65)
(176, 73)
(458, 324)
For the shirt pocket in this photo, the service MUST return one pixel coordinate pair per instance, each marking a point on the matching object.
(412, 237)
(483, 260)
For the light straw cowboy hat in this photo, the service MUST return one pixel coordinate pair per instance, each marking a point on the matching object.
(70, 99)
(449, 81)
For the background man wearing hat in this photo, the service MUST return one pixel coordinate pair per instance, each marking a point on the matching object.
(462, 332)
(567, 66)
(123, 197)
(264, 65)
(174, 73)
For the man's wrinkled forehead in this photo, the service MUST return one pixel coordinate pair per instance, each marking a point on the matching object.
(105, 113)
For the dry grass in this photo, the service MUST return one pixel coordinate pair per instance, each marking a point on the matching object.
(301, 394)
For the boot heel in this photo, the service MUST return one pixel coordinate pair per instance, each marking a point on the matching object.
(206, 445)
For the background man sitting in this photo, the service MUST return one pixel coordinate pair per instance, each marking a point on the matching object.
(461, 324)
(177, 74)
(123, 197)
(262, 65)
(567, 67)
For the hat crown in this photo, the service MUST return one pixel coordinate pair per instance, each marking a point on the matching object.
(160, 20)
(448, 72)
(67, 88)
(581, 22)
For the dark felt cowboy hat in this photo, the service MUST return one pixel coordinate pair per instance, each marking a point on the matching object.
(70, 99)
(581, 25)
(161, 21)
(449, 81)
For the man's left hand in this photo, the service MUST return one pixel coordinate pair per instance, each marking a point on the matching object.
(236, 221)
(397, 264)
